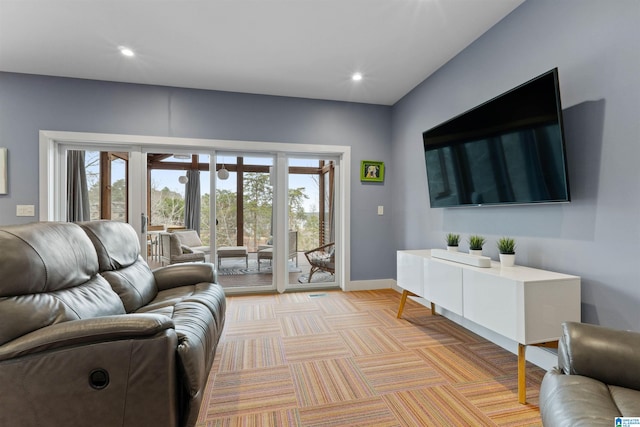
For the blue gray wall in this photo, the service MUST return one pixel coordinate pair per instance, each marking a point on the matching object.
(31, 103)
(596, 46)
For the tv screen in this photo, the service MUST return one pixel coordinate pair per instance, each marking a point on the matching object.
(509, 150)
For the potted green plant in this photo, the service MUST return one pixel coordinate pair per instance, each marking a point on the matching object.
(452, 242)
(475, 244)
(507, 249)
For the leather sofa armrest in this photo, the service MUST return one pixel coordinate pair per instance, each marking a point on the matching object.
(575, 400)
(175, 275)
(608, 355)
(85, 331)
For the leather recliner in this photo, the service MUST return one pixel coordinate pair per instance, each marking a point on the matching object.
(90, 336)
(597, 378)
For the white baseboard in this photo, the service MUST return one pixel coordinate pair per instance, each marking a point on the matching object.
(541, 357)
(368, 285)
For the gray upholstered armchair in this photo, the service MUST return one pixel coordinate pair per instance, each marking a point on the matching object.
(191, 240)
(266, 251)
(174, 251)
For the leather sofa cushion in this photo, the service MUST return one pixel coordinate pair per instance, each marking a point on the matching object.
(580, 353)
(198, 314)
(135, 285)
(575, 400)
(49, 275)
(118, 249)
(197, 334)
(209, 295)
(44, 257)
(627, 400)
(115, 242)
(28, 313)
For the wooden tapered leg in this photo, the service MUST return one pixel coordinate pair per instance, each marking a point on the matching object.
(522, 376)
(403, 301)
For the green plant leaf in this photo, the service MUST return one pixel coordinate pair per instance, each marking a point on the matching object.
(476, 242)
(506, 245)
(453, 239)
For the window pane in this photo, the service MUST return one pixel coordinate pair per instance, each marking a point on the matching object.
(92, 164)
(167, 197)
(118, 190)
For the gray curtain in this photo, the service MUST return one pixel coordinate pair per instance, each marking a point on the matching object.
(77, 192)
(192, 200)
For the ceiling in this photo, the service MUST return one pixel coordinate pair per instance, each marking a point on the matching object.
(299, 48)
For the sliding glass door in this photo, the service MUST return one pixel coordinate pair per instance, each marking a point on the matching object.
(311, 222)
(178, 200)
(261, 215)
(286, 226)
(244, 225)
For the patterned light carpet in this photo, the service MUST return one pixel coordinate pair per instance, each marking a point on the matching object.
(343, 359)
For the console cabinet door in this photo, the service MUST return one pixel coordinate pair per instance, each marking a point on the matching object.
(410, 272)
(444, 281)
(546, 305)
(493, 302)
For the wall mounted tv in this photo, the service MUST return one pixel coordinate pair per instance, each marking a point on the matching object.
(509, 150)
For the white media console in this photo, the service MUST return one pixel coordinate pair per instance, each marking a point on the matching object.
(523, 304)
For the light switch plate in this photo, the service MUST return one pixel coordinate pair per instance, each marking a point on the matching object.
(25, 210)
(380, 210)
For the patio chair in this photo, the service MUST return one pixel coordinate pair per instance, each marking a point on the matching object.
(266, 251)
(174, 252)
(191, 240)
(322, 259)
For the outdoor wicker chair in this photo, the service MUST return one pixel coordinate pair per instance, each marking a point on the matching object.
(322, 259)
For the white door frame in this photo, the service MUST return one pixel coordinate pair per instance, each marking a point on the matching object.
(52, 162)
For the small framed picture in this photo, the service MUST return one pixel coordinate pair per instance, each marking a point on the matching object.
(3, 171)
(371, 171)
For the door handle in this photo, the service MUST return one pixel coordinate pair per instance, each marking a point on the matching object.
(143, 223)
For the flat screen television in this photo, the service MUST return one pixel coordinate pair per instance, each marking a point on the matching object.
(509, 150)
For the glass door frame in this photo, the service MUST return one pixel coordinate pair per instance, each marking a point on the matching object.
(336, 208)
(52, 188)
(213, 201)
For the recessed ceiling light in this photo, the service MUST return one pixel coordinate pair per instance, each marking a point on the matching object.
(126, 51)
(356, 77)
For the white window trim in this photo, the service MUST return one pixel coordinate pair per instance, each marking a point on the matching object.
(51, 158)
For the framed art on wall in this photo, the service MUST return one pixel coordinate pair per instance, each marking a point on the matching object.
(3, 171)
(371, 171)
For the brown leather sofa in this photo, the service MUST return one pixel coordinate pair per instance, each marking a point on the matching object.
(90, 336)
(597, 378)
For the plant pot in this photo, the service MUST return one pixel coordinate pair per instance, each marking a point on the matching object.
(507, 260)
(452, 248)
(476, 252)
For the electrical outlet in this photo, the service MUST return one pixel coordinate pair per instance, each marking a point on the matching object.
(380, 210)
